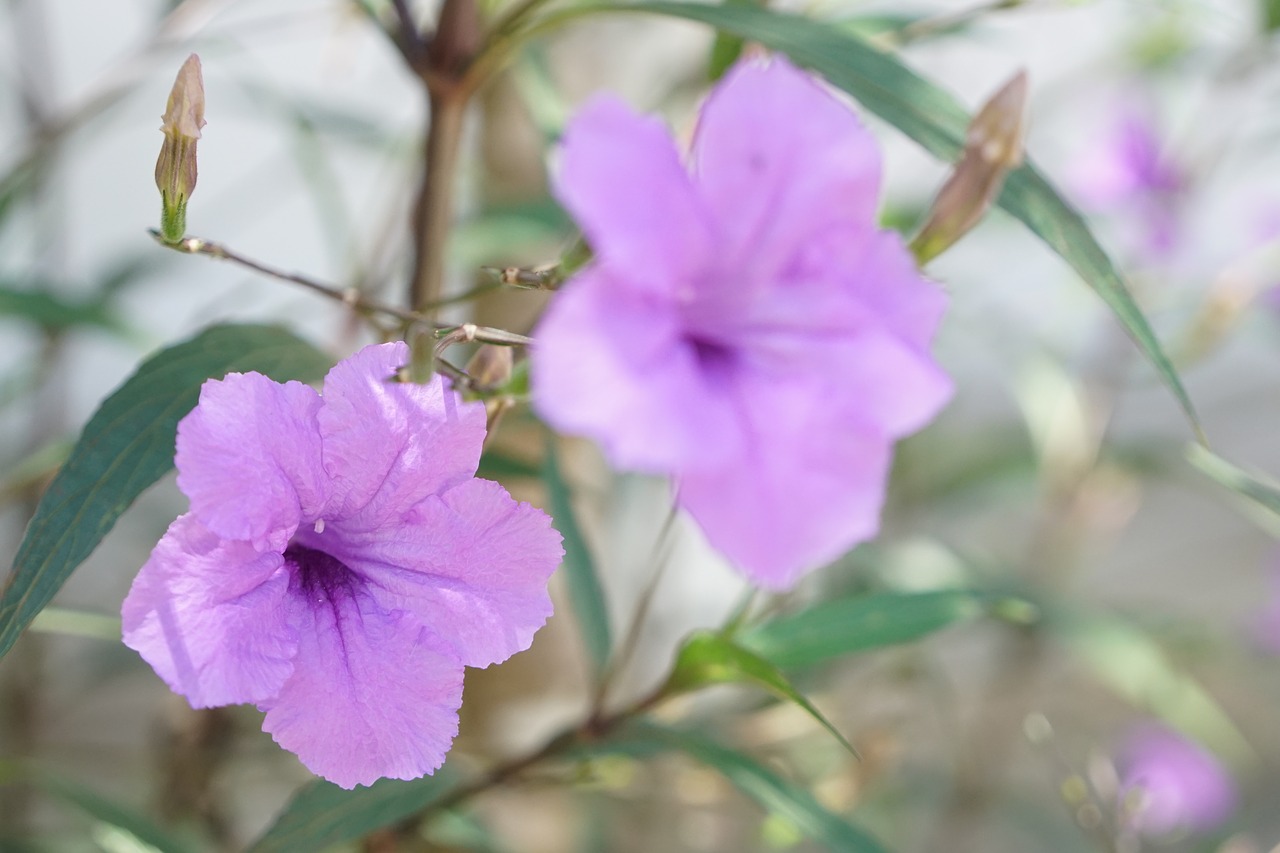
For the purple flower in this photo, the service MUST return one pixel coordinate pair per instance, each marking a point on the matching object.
(744, 326)
(1128, 172)
(340, 565)
(1171, 784)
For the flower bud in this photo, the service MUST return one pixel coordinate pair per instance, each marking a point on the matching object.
(176, 167)
(992, 148)
(491, 366)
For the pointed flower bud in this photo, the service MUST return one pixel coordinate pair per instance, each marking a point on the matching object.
(176, 168)
(992, 148)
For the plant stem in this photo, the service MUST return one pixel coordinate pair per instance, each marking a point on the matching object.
(433, 211)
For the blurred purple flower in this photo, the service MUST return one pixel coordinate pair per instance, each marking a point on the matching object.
(1129, 173)
(744, 326)
(340, 565)
(1171, 784)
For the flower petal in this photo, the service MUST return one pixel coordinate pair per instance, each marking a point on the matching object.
(622, 179)
(248, 457)
(778, 160)
(373, 693)
(808, 487)
(473, 564)
(616, 365)
(389, 444)
(208, 614)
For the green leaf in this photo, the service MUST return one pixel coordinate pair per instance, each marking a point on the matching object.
(710, 658)
(935, 120)
(1134, 665)
(586, 595)
(322, 814)
(834, 628)
(53, 313)
(128, 445)
(779, 796)
(110, 812)
(1260, 492)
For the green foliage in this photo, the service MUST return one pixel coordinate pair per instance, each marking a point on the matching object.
(53, 313)
(322, 814)
(586, 595)
(934, 119)
(1259, 492)
(127, 445)
(834, 628)
(778, 795)
(710, 658)
(139, 828)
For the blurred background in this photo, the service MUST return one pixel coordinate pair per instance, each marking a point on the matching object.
(1148, 599)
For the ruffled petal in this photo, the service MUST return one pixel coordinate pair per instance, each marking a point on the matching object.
(808, 487)
(622, 179)
(248, 457)
(619, 367)
(208, 614)
(373, 693)
(472, 563)
(778, 160)
(880, 273)
(389, 444)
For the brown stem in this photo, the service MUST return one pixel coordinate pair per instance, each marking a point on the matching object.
(433, 211)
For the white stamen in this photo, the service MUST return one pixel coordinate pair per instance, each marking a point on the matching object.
(319, 525)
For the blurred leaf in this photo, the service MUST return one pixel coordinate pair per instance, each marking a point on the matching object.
(1136, 667)
(934, 119)
(1270, 14)
(709, 658)
(585, 592)
(128, 445)
(726, 48)
(322, 814)
(496, 465)
(54, 313)
(834, 628)
(107, 811)
(35, 466)
(777, 795)
(1264, 494)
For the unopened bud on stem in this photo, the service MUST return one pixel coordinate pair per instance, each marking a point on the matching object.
(176, 168)
(992, 148)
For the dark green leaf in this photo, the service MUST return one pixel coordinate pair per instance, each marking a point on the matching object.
(1264, 494)
(935, 120)
(710, 658)
(586, 595)
(777, 795)
(834, 628)
(128, 445)
(322, 814)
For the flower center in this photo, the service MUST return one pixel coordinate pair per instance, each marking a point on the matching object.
(318, 572)
(712, 355)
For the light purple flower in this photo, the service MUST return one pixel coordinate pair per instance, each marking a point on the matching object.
(1171, 784)
(744, 326)
(1128, 172)
(340, 565)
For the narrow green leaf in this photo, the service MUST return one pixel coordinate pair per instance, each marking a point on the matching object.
(585, 592)
(709, 658)
(935, 120)
(834, 628)
(776, 794)
(322, 814)
(110, 812)
(128, 445)
(1134, 665)
(1264, 494)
